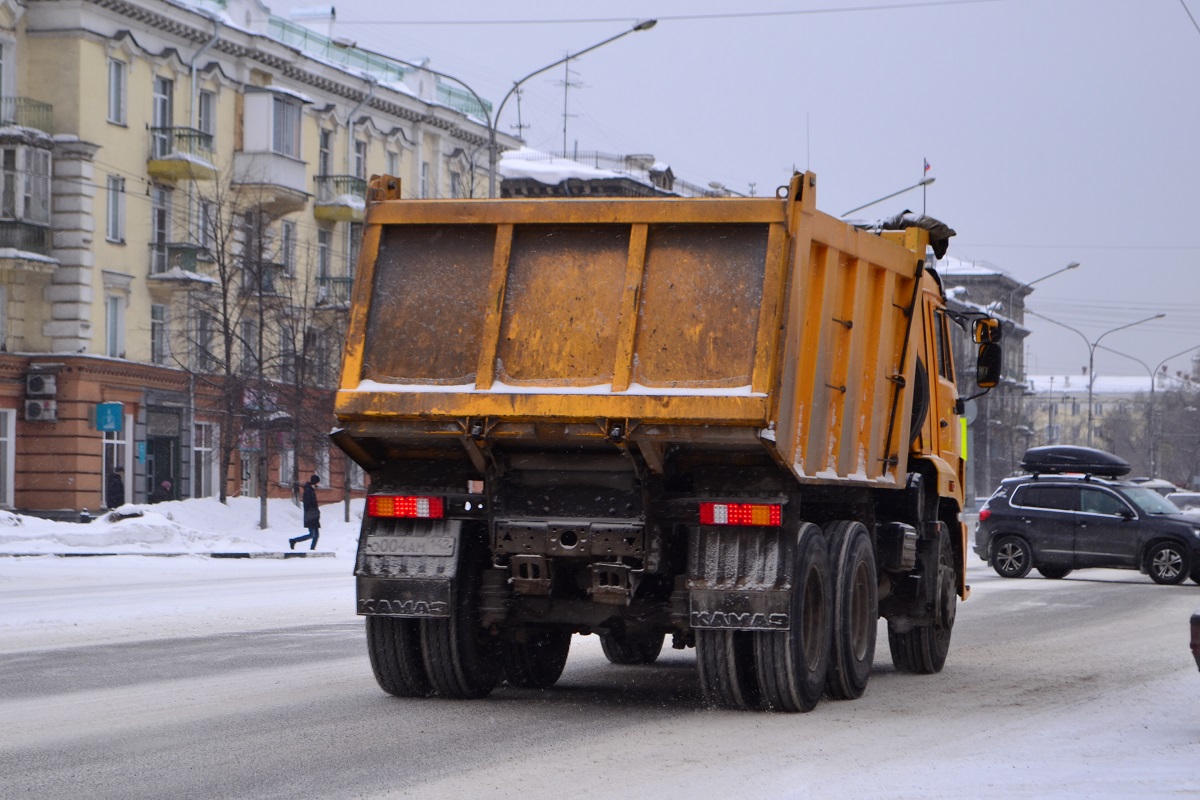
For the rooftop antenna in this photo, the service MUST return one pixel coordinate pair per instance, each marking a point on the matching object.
(567, 85)
(520, 126)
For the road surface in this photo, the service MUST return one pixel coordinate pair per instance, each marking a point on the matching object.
(234, 682)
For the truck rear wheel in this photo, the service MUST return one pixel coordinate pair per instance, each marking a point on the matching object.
(923, 649)
(537, 663)
(726, 663)
(394, 645)
(855, 609)
(793, 665)
(459, 658)
(631, 648)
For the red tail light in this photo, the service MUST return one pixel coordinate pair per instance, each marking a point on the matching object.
(741, 514)
(382, 505)
(984, 513)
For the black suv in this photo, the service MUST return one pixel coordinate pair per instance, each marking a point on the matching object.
(1071, 513)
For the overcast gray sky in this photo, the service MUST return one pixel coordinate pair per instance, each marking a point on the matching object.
(1056, 130)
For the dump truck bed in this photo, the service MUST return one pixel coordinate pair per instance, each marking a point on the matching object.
(760, 316)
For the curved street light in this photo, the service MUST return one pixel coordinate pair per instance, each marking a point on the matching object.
(1092, 344)
(1153, 373)
(917, 185)
(1008, 309)
(492, 120)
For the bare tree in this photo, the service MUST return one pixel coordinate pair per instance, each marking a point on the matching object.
(252, 330)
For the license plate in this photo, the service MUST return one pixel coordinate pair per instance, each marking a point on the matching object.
(410, 545)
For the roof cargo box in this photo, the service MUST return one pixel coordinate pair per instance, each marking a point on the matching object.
(1058, 458)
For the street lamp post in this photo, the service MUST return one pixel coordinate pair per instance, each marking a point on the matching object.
(493, 152)
(493, 120)
(917, 185)
(1092, 345)
(1151, 433)
(1008, 309)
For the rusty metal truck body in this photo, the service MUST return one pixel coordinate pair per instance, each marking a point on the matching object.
(732, 421)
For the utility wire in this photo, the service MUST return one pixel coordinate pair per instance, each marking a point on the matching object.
(674, 17)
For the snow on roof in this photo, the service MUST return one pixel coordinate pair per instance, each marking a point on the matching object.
(949, 265)
(1104, 384)
(526, 162)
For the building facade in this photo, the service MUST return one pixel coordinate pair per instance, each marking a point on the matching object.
(998, 422)
(181, 200)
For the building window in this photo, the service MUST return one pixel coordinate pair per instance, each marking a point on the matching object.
(206, 109)
(425, 180)
(158, 334)
(116, 209)
(163, 117)
(356, 477)
(325, 153)
(204, 224)
(286, 133)
(393, 164)
(287, 246)
(160, 227)
(206, 361)
(249, 346)
(353, 241)
(116, 454)
(287, 467)
(287, 354)
(116, 91)
(360, 160)
(8, 437)
(204, 460)
(324, 252)
(322, 460)
(114, 327)
(25, 184)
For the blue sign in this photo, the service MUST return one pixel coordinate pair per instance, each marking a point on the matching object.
(109, 416)
(141, 452)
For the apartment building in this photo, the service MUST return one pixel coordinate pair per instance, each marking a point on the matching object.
(182, 190)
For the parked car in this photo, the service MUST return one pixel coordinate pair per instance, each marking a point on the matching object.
(1157, 484)
(1196, 637)
(1187, 501)
(1072, 512)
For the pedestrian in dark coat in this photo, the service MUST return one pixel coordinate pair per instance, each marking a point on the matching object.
(114, 488)
(312, 514)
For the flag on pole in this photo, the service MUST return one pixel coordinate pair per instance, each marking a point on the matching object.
(926, 164)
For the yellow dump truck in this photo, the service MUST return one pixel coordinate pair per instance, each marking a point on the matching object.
(730, 421)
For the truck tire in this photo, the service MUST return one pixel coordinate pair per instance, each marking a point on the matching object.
(793, 665)
(855, 609)
(923, 649)
(394, 645)
(537, 663)
(460, 660)
(725, 661)
(631, 648)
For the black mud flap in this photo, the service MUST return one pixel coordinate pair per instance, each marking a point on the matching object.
(406, 568)
(741, 578)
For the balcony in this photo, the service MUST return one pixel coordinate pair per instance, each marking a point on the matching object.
(26, 113)
(333, 291)
(267, 278)
(270, 181)
(25, 236)
(183, 256)
(340, 198)
(181, 154)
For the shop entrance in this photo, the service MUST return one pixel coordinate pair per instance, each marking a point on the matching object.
(163, 427)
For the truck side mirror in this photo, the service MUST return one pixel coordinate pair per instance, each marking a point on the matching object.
(987, 366)
(986, 330)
